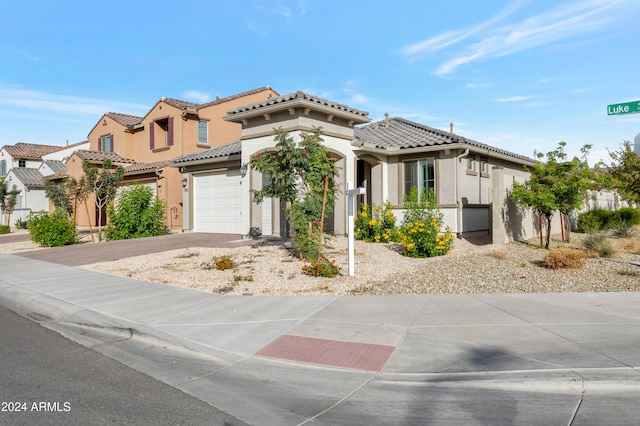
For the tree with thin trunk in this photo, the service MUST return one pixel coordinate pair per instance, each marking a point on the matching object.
(557, 184)
(104, 184)
(8, 198)
(624, 173)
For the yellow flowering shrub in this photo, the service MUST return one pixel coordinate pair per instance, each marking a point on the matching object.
(421, 233)
(379, 226)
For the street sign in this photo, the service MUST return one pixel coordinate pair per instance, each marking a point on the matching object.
(626, 108)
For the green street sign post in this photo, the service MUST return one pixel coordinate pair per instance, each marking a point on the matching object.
(625, 108)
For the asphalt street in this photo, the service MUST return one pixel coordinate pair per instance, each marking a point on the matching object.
(50, 380)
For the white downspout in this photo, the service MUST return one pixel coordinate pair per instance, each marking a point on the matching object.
(458, 200)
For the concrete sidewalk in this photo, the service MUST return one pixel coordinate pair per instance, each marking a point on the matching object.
(366, 360)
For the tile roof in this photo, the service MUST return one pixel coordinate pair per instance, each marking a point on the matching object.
(179, 104)
(404, 134)
(233, 148)
(100, 156)
(298, 96)
(236, 96)
(30, 150)
(124, 119)
(56, 166)
(141, 167)
(31, 178)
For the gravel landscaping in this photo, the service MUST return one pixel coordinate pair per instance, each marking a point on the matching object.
(269, 267)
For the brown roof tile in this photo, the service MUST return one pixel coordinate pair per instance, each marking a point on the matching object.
(140, 167)
(124, 119)
(236, 96)
(100, 156)
(30, 150)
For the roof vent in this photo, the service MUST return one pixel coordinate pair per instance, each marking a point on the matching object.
(299, 94)
(451, 127)
(386, 120)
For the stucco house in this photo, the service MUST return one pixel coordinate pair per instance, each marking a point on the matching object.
(25, 165)
(386, 158)
(172, 128)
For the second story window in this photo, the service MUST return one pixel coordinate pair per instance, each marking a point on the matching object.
(3, 168)
(203, 132)
(105, 143)
(22, 163)
(161, 133)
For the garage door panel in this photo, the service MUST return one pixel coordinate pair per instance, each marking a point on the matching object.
(218, 203)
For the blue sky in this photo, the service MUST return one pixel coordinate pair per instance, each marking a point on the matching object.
(518, 75)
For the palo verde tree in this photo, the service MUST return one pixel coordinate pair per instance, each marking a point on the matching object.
(104, 184)
(8, 198)
(556, 184)
(304, 175)
(624, 173)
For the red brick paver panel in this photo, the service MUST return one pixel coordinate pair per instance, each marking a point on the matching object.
(362, 356)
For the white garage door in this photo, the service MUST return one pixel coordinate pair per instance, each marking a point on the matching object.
(217, 199)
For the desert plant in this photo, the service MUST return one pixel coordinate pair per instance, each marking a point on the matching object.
(222, 263)
(564, 258)
(620, 228)
(322, 267)
(379, 228)
(421, 232)
(52, 230)
(598, 243)
(4, 229)
(22, 223)
(137, 213)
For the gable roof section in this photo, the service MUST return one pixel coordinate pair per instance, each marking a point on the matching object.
(31, 178)
(99, 156)
(236, 96)
(30, 151)
(298, 98)
(400, 134)
(233, 148)
(56, 166)
(124, 119)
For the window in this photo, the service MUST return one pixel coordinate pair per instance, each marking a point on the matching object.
(161, 133)
(22, 163)
(484, 167)
(419, 174)
(203, 132)
(105, 143)
(3, 168)
(471, 166)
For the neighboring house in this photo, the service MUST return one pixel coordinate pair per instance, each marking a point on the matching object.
(172, 128)
(470, 179)
(25, 165)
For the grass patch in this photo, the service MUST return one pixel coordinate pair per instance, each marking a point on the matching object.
(600, 244)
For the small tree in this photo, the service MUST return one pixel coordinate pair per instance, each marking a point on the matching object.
(624, 173)
(304, 175)
(104, 184)
(8, 198)
(556, 185)
(59, 195)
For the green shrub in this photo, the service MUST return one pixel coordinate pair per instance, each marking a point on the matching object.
(322, 268)
(595, 219)
(621, 228)
(627, 214)
(421, 232)
(136, 213)
(22, 223)
(52, 230)
(380, 228)
(4, 229)
(600, 244)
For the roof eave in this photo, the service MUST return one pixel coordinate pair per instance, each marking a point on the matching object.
(296, 103)
(190, 163)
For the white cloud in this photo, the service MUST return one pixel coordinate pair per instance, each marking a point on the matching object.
(194, 95)
(514, 99)
(490, 40)
(477, 85)
(62, 104)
